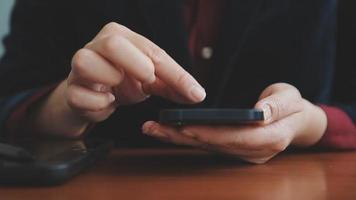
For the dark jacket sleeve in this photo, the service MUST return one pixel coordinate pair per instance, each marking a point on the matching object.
(344, 91)
(39, 46)
(37, 52)
(341, 130)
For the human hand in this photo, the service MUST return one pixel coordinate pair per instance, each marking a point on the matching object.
(119, 64)
(289, 120)
(118, 67)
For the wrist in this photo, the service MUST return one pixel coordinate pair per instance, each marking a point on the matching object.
(313, 126)
(53, 116)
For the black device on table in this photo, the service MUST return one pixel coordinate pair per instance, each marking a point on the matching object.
(210, 116)
(53, 161)
(48, 161)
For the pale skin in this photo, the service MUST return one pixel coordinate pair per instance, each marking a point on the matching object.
(121, 67)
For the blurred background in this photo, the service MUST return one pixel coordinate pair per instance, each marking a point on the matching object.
(346, 26)
(5, 9)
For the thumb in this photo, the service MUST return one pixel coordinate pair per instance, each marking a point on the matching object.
(279, 101)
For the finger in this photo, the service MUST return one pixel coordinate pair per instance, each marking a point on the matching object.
(92, 67)
(169, 71)
(165, 67)
(252, 156)
(279, 101)
(159, 88)
(274, 137)
(257, 159)
(110, 29)
(123, 54)
(84, 99)
(133, 95)
(167, 133)
(98, 116)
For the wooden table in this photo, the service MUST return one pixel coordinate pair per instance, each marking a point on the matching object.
(183, 174)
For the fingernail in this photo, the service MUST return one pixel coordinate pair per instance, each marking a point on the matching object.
(198, 93)
(111, 98)
(147, 127)
(267, 113)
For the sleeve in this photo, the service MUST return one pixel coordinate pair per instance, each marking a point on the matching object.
(340, 132)
(15, 109)
(39, 46)
(341, 110)
(8, 104)
(38, 51)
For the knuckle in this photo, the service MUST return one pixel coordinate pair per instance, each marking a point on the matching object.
(157, 54)
(113, 27)
(80, 60)
(276, 107)
(112, 42)
(269, 90)
(284, 86)
(119, 78)
(149, 76)
(279, 86)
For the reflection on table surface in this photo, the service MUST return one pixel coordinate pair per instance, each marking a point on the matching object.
(192, 174)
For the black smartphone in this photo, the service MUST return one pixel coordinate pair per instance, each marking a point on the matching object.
(210, 116)
(50, 162)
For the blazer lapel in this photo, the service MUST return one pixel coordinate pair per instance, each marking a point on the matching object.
(239, 18)
(165, 20)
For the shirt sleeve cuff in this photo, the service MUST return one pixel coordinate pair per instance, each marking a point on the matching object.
(20, 112)
(340, 132)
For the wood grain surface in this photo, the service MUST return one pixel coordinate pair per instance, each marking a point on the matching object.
(192, 174)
